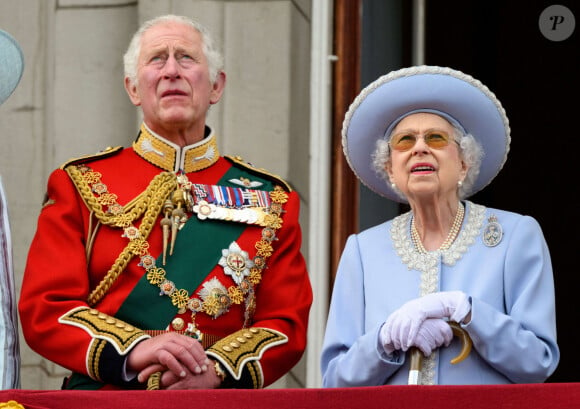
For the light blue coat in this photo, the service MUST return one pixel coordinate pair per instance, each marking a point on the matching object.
(9, 342)
(513, 318)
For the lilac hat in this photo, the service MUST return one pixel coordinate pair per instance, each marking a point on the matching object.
(456, 96)
(11, 65)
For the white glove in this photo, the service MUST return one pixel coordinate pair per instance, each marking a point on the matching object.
(403, 324)
(433, 333)
(385, 340)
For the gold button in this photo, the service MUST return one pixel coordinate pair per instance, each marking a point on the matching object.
(235, 344)
(110, 320)
(92, 311)
(241, 340)
(254, 330)
(248, 335)
(178, 324)
(227, 348)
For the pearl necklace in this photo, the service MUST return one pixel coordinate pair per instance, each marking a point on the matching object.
(453, 232)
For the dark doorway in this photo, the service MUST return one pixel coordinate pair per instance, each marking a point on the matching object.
(536, 79)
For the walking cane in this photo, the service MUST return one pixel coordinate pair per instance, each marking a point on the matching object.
(417, 356)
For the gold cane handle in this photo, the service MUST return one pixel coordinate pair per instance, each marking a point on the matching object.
(465, 342)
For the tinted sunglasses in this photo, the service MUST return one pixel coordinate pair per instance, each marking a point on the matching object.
(405, 141)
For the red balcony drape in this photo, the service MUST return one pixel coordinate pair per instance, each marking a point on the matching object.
(536, 396)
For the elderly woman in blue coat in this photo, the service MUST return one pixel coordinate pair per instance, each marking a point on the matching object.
(432, 137)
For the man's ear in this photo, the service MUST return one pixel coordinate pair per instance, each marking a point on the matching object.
(218, 88)
(131, 89)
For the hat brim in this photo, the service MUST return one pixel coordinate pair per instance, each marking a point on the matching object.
(424, 88)
(11, 65)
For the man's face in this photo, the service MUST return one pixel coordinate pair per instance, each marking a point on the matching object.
(173, 86)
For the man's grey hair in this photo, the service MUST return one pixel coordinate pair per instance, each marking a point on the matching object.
(131, 57)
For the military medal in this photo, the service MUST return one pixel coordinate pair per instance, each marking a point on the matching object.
(236, 262)
(231, 204)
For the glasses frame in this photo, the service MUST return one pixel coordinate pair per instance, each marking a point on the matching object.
(426, 136)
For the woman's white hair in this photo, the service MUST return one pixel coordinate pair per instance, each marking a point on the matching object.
(470, 151)
(131, 57)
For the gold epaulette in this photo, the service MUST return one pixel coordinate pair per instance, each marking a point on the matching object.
(260, 171)
(108, 151)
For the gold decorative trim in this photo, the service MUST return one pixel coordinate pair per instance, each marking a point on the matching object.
(255, 371)
(154, 381)
(202, 156)
(95, 194)
(155, 150)
(245, 346)
(105, 327)
(171, 157)
(94, 358)
(11, 404)
(108, 151)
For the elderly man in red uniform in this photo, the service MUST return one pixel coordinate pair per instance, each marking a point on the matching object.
(165, 265)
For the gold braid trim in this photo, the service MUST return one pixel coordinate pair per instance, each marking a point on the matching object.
(105, 330)
(119, 333)
(94, 358)
(11, 404)
(243, 349)
(154, 381)
(88, 183)
(149, 203)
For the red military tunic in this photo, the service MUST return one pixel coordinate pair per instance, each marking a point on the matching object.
(95, 283)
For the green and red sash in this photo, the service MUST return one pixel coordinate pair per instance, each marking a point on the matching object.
(197, 251)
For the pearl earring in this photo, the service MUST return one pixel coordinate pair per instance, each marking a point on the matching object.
(393, 186)
(459, 183)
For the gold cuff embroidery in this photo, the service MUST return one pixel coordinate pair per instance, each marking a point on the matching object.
(102, 326)
(244, 346)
